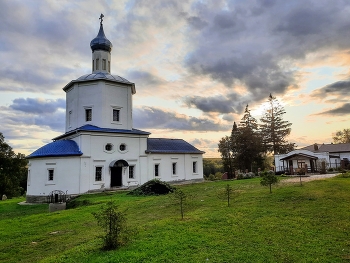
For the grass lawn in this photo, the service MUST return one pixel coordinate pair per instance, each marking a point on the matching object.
(309, 223)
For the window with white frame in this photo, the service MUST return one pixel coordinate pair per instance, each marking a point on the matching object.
(50, 174)
(131, 172)
(156, 170)
(88, 114)
(174, 168)
(109, 66)
(116, 115)
(93, 66)
(194, 167)
(98, 173)
(103, 64)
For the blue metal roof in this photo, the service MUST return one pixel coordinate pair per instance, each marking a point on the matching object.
(93, 128)
(57, 149)
(160, 145)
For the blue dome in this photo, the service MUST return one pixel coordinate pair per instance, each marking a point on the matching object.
(100, 42)
(57, 148)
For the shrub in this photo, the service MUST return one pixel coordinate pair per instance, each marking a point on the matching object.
(153, 187)
(114, 224)
(268, 179)
(211, 177)
(218, 175)
(180, 196)
(344, 175)
(330, 169)
(241, 176)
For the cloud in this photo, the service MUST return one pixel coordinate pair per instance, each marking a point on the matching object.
(231, 103)
(38, 105)
(154, 118)
(339, 89)
(257, 45)
(340, 111)
(145, 79)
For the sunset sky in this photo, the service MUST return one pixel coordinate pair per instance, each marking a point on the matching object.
(195, 64)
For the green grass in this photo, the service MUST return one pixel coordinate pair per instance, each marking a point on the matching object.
(309, 223)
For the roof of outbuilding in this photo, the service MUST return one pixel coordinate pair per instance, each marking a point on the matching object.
(57, 149)
(92, 128)
(160, 145)
(331, 148)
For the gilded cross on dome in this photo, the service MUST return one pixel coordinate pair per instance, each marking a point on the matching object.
(101, 18)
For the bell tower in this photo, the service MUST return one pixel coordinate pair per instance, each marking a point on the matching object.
(99, 98)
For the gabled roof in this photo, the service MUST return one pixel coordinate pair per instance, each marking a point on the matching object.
(301, 155)
(57, 149)
(92, 128)
(160, 145)
(331, 148)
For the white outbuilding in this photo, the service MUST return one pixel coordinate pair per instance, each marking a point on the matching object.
(100, 150)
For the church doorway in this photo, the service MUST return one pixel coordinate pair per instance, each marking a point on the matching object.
(117, 170)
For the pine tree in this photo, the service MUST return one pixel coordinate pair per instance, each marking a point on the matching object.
(274, 129)
(248, 142)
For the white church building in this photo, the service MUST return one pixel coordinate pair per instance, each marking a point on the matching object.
(100, 150)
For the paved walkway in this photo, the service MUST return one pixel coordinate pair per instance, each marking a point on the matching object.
(296, 178)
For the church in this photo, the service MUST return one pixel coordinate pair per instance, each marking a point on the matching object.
(100, 149)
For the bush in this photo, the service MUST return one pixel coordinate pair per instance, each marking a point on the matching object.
(241, 176)
(268, 179)
(114, 224)
(344, 175)
(330, 169)
(153, 187)
(218, 175)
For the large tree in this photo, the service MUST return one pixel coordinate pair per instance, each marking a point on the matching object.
(13, 171)
(342, 136)
(274, 129)
(226, 155)
(248, 142)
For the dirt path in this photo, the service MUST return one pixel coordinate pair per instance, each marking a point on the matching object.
(296, 179)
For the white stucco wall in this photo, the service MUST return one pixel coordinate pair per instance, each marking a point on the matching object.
(102, 97)
(66, 175)
(184, 166)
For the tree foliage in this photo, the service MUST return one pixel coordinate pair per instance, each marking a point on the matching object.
(114, 224)
(212, 166)
(342, 136)
(13, 171)
(268, 179)
(226, 155)
(180, 196)
(250, 144)
(274, 129)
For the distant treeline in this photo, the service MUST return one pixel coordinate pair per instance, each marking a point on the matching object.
(212, 166)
